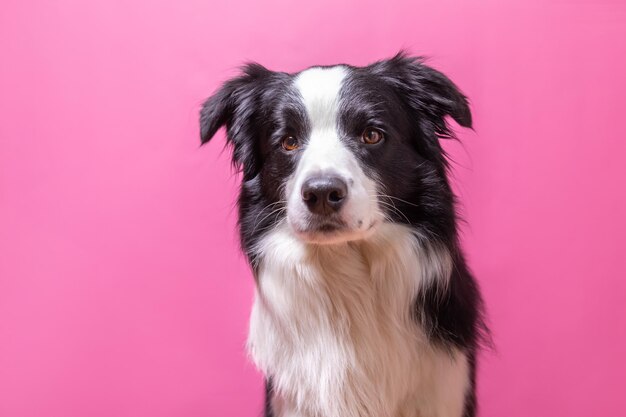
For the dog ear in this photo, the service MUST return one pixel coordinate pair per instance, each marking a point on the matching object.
(427, 92)
(430, 97)
(236, 105)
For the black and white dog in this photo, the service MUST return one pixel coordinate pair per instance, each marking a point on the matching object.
(365, 306)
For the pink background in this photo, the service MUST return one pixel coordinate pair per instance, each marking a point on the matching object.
(122, 291)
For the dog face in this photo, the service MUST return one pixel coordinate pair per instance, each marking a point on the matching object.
(334, 152)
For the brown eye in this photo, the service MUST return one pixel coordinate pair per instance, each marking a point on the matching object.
(372, 136)
(289, 143)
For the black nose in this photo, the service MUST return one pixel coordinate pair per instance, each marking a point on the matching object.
(324, 195)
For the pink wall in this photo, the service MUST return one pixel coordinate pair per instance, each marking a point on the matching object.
(122, 292)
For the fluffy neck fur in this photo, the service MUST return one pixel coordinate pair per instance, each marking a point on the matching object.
(334, 326)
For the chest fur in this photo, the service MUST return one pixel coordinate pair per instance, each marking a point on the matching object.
(333, 326)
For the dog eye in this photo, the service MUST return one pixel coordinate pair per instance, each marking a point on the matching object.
(372, 136)
(289, 143)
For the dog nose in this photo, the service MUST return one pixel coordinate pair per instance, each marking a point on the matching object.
(324, 195)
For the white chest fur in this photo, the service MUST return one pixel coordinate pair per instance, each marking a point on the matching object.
(332, 326)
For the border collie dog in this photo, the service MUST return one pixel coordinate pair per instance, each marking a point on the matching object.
(364, 304)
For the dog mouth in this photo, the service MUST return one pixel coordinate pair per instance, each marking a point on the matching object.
(321, 227)
(320, 230)
(329, 231)
(328, 227)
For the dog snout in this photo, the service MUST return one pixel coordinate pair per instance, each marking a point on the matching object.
(324, 195)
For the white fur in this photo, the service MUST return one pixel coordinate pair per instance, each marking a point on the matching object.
(332, 325)
(325, 154)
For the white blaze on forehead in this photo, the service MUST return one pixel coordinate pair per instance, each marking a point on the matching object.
(324, 152)
(319, 88)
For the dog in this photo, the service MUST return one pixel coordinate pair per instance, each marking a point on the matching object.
(364, 303)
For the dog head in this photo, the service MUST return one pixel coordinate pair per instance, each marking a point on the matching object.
(334, 152)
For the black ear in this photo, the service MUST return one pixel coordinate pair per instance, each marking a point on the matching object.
(236, 106)
(444, 95)
(428, 92)
(217, 110)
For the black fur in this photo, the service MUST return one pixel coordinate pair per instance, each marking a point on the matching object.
(410, 102)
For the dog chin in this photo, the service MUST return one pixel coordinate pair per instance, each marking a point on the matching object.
(330, 233)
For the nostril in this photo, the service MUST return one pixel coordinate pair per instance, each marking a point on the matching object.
(309, 197)
(335, 196)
